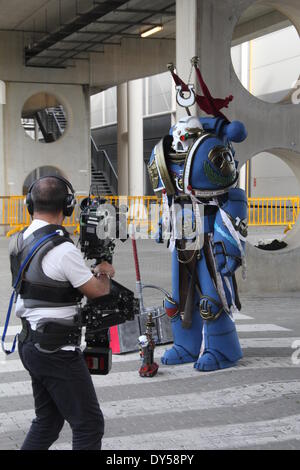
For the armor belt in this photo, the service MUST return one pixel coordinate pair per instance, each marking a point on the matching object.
(50, 336)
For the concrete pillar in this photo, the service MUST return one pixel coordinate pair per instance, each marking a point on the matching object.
(242, 179)
(173, 105)
(70, 154)
(122, 139)
(186, 35)
(135, 138)
(2, 153)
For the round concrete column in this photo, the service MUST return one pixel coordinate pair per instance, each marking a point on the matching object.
(186, 35)
(135, 137)
(122, 139)
(2, 153)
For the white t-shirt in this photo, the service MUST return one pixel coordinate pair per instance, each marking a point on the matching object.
(63, 263)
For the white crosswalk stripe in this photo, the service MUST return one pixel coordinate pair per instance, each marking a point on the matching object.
(242, 328)
(184, 371)
(259, 327)
(226, 397)
(14, 329)
(230, 436)
(15, 365)
(215, 437)
(220, 436)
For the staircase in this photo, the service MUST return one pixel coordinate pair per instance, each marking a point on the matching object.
(59, 114)
(52, 123)
(103, 178)
(99, 180)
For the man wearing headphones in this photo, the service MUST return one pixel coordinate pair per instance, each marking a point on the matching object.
(54, 281)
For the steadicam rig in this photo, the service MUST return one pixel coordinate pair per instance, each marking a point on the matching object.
(99, 225)
(91, 245)
(97, 316)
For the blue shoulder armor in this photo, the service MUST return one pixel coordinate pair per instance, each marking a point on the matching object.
(230, 232)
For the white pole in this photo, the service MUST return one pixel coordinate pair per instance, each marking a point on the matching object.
(3, 187)
(123, 178)
(135, 137)
(186, 35)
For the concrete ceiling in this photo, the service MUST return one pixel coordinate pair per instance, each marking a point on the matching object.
(53, 28)
(15, 13)
(53, 35)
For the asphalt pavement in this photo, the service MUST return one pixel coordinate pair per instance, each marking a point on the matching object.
(255, 405)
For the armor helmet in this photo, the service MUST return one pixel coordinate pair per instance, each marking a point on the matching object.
(186, 129)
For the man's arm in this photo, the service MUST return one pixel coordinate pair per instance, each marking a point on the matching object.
(96, 286)
(99, 284)
(71, 266)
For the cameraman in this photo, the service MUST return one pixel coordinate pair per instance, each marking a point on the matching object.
(55, 279)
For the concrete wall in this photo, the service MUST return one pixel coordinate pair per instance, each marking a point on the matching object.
(271, 177)
(20, 155)
(270, 272)
(134, 58)
(12, 66)
(275, 62)
(70, 153)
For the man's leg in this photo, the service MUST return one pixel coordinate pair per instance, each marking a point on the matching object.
(45, 428)
(65, 377)
(76, 400)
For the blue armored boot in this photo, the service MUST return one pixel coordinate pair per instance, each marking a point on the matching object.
(221, 345)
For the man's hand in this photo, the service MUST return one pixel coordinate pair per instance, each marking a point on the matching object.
(104, 268)
(99, 284)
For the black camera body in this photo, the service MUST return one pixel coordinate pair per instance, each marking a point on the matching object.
(91, 245)
(120, 305)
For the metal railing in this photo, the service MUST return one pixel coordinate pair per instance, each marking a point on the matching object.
(14, 214)
(273, 211)
(49, 125)
(101, 162)
(280, 211)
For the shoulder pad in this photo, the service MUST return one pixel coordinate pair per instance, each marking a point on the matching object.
(157, 167)
(212, 124)
(237, 194)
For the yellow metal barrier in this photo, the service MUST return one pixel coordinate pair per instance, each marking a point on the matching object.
(14, 214)
(273, 211)
(262, 211)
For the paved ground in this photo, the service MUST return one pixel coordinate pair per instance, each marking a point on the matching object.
(253, 406)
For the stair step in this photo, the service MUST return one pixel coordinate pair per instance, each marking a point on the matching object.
(98, 176)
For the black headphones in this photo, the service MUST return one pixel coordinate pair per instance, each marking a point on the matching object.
(69, 202)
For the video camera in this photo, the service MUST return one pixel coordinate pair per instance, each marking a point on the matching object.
(100, 224)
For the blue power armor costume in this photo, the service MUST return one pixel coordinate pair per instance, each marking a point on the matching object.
(195, 166)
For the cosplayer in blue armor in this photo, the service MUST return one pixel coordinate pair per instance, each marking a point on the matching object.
(195, 165)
